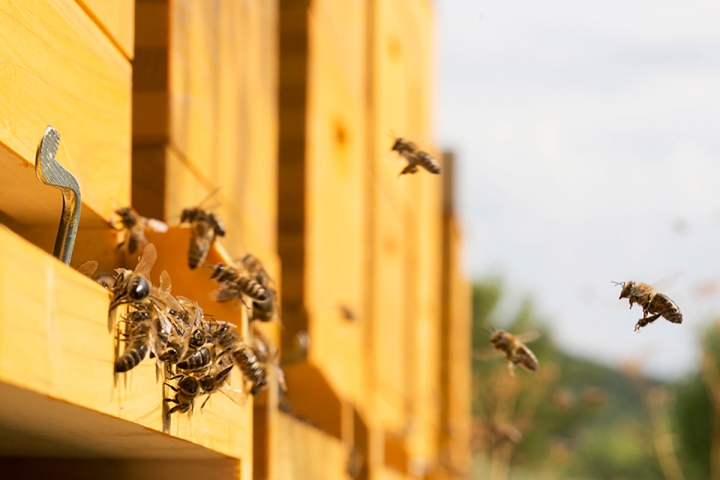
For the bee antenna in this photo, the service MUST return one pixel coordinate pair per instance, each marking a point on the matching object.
(618, 283)
(488, 330)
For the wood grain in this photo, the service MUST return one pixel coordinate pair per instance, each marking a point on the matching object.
(117, 19)
(66, 73)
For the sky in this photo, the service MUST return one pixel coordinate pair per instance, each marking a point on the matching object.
(588, 142)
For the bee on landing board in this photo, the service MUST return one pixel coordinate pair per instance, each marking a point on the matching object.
(654, 304)
(516, 353)
(409, 151)
(204, 228)
(133, 226)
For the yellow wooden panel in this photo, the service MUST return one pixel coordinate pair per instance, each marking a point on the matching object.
(424, 302)
(117, 19)
(66, 353)
(389, 333)
(335, 195)
(223, 122)
(306, 452)
(58, 68)
(401, 83)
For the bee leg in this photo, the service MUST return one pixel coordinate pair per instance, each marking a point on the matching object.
(172, 388)
(206, 400)
(511, 367)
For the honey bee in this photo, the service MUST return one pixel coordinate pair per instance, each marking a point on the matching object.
(262, 310)
(107, 280)
(133, 226)
(516, 353)
(133, 286)
(234, 282)
(653, 303)
(409, 151)
(138, 336)
(245, 358)
(204, 227)
(188, 387)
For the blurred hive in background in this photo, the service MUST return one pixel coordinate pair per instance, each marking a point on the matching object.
(286, 108)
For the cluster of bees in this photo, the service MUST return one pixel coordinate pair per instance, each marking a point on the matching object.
(654, 305)
(194, 352)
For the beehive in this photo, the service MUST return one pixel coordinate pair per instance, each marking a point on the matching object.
(282, 109)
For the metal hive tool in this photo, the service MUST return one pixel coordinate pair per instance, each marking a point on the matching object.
(50, 172)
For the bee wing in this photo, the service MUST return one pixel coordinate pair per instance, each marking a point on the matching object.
(526, 358)
(226, 292)
(88, 268)
(234, 394)
(146, 261)
(157, 225)
(528, 337)
(208, 197)
(280, 375)
(165, 284)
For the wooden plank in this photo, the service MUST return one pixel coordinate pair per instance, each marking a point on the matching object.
(66, 73)
(307, 452)
(388, 314)
(335, 196)
(107, 469)
(67, 355)
(211, 80)
(117, 19)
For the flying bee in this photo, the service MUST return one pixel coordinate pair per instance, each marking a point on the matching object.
(245, 358)
(262, 310)
(133, 226)
(188, 387)
(653, 303)
(204, 227)
(422, 159)
(409, 151)
(516, 353)
(235, 282)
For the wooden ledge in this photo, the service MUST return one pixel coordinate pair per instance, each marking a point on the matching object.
(54, 341)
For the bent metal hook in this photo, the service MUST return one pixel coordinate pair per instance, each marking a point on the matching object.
(50, 172)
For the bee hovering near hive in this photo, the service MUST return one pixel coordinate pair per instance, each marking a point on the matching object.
(235, 281)
(409, 151)
(133, 226)
(653, 303)
(204, 228)
(515, 351)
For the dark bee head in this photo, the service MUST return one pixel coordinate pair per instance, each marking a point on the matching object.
(627, 289)
(127, 216)
(197, 338)
(401, 145)
(218, 270)
(138, 288)
(207, 383)
(171, 354)
(189, 385)
(500, 339)
(185, 216)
